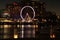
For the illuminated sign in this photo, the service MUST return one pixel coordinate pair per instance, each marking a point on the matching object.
(24, 8)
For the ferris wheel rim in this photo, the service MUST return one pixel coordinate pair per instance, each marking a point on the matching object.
(24, 8)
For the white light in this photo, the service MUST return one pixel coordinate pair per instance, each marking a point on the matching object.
(24, 8)
(29, 25)
(22, 31)
(18, 26)
(22, 34)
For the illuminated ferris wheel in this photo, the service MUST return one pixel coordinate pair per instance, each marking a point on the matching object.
(27, 10)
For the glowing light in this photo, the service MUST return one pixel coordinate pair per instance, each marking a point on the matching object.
(28, 18)
(5, 20)
(24, 8)
(22, 31)
(22, 34)
(6, 26)
(44, 20)
(6, 14)
(29, 25)
(35, 19)
(15, 36)
(18, 26)
(52, 36)
(36, 26)
(58, 17)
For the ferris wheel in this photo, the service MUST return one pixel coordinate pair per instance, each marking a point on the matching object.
(26, 13)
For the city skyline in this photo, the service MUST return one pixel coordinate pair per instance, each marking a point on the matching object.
(51, 5)
(36, 20)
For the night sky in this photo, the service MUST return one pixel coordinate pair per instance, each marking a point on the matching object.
(52, 5)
